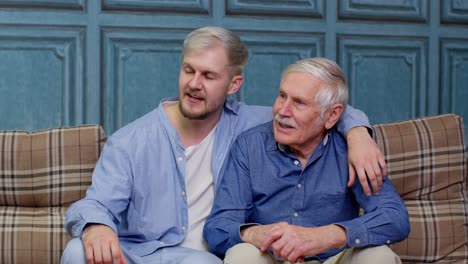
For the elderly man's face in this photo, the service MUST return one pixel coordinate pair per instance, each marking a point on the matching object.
(297, 120)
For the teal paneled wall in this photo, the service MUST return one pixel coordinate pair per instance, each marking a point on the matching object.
(70, 62)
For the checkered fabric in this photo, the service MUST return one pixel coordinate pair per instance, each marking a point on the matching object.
(41, 174)
(427, 165)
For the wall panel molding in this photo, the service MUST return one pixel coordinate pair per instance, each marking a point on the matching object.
(141, 67)
(386, 73)
(453, 89)
(270, 53)
(384, 10)
(44, 4)
(272, 8)
(43, 72)
(155, 6)
(454, 11)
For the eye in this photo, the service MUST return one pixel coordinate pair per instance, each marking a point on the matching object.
(301, 104)
(188, 70)
(209, 76)
(281, 95)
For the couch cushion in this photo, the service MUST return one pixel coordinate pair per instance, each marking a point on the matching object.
(32, 234)
(48, 168)
(427, 165)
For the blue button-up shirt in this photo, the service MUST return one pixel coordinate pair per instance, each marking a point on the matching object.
(138, 186)
(264, 183)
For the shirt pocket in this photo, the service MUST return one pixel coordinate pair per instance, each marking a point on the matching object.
(328, 208)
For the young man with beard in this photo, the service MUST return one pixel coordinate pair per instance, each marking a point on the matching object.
(154, 184)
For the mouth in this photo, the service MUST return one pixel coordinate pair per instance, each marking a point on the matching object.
(194, 97)
(284, 125)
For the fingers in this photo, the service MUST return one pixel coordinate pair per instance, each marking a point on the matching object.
(106, 255)
(383, 166)
(102, 245)
(363, 180)
(89, 254)
(117, 254)
(352, 175)
(289, 249)
(273, 235)
(373, 179)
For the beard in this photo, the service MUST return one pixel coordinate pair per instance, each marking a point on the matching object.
(190, 115)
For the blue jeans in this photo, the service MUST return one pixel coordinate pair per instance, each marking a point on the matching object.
(74, 253)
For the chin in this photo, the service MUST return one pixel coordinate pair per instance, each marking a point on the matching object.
(281, 139)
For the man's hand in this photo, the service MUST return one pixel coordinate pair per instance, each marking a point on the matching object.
(102, 245)
(257, 234)
(365, 159)
(293, 243)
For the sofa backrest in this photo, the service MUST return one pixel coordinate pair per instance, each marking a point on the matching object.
(48, 168)
(427, 165)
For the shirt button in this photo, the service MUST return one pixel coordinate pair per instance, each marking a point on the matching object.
(183, 228)
(183, 193)
(296, 214)
(179, 159)
(388, 241)
(299, 185)
(296, 162)
(358, 241)
(162, 243)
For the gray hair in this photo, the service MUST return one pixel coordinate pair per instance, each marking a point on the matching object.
(207, 37)
(336, 91)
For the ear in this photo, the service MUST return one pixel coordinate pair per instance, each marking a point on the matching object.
(236, 83)
(334, 115)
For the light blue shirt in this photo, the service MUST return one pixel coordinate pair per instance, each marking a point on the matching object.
(138, 186)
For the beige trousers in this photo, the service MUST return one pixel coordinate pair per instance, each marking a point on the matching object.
(246, 253)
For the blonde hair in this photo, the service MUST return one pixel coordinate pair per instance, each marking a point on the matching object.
(207, 37)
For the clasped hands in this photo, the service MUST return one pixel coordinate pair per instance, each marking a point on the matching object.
(292, 243)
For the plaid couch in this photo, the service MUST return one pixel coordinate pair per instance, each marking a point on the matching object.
(428, 166)
(42, 173)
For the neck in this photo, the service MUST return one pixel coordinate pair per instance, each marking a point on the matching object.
(303, 155)
(191, 131)
(304, 151)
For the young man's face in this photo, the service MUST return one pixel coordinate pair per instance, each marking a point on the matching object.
(295, 104)
(205, 80)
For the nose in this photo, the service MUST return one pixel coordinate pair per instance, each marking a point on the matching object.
(195, 82)
(285, 108)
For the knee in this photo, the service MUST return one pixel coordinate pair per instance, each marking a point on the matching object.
(201, 257)
(245, 253)
(74, 252)
(383, 253)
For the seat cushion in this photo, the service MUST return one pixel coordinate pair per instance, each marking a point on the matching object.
(32, 234)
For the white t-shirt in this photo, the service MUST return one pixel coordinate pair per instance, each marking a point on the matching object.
(199, 191)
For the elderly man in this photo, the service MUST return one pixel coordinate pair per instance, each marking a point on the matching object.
(285, 184)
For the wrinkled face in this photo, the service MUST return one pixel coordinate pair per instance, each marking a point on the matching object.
(297, 120)
(205, 81)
